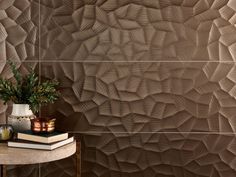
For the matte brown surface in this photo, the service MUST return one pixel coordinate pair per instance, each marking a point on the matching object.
(159, 154)
(19, 32)
(140, 30)
(61, 168)
(145, 97)
(23, 171)
(117, 106)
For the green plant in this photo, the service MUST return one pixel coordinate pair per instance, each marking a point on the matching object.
(28, 89)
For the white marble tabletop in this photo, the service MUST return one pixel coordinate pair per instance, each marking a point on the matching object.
(18, 156)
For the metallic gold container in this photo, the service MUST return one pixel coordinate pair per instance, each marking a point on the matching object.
(6, 132)
(43, 125)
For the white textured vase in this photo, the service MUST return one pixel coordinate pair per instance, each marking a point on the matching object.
(21, 110)
(20, 117)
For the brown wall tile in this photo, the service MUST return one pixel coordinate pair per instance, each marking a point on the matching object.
(19, 32)
(23, 171)
(144, 97)
(60, 168)
(134, 30)
(101, 99)
(159, 154)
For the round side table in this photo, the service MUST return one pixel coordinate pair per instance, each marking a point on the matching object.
(18, 156)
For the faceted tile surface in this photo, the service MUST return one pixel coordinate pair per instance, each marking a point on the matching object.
(19, 30)
(159, 154)
(60, 168)
(23, 171)
(168, 66)
(134, 30)
(144, 97)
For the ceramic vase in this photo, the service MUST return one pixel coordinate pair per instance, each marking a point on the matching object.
(20, 117)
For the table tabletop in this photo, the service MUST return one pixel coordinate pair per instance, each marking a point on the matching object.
(19, 156)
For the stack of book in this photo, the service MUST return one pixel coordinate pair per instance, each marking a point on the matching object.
(50, 141)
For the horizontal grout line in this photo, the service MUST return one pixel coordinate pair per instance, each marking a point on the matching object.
(210, 133)
(64, 61)
(134, 61)
(106, 61)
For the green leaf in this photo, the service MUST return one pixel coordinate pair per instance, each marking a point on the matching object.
(28, 90)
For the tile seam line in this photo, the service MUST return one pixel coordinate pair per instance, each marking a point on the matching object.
(213, 133)
(64, 61)
(39, 64)
(72, 61)
(39, 54)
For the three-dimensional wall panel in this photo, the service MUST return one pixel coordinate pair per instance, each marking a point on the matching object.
(145, 97)
(192, 89)
(60, 168)
(23, 171)
(131, 71)
(19, 31)
(159, 154)
(135, 30)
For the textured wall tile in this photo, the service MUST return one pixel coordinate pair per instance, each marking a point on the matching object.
(23, 171)
(60, 168)
(135, 97)
(155, 155)
(144, 97)
(138, 30)
(19, 20)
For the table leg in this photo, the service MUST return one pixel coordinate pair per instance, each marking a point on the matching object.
(3, 171)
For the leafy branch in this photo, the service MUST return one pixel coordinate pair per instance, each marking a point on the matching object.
(28, 89)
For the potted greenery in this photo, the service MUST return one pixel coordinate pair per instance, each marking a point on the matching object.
(28, 94)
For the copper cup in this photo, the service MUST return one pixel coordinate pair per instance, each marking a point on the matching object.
(43, 125)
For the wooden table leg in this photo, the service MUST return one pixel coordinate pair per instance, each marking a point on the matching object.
(78, 159)
(3, 171)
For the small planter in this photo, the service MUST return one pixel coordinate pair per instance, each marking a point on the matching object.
(20, 117)
(21, 110)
